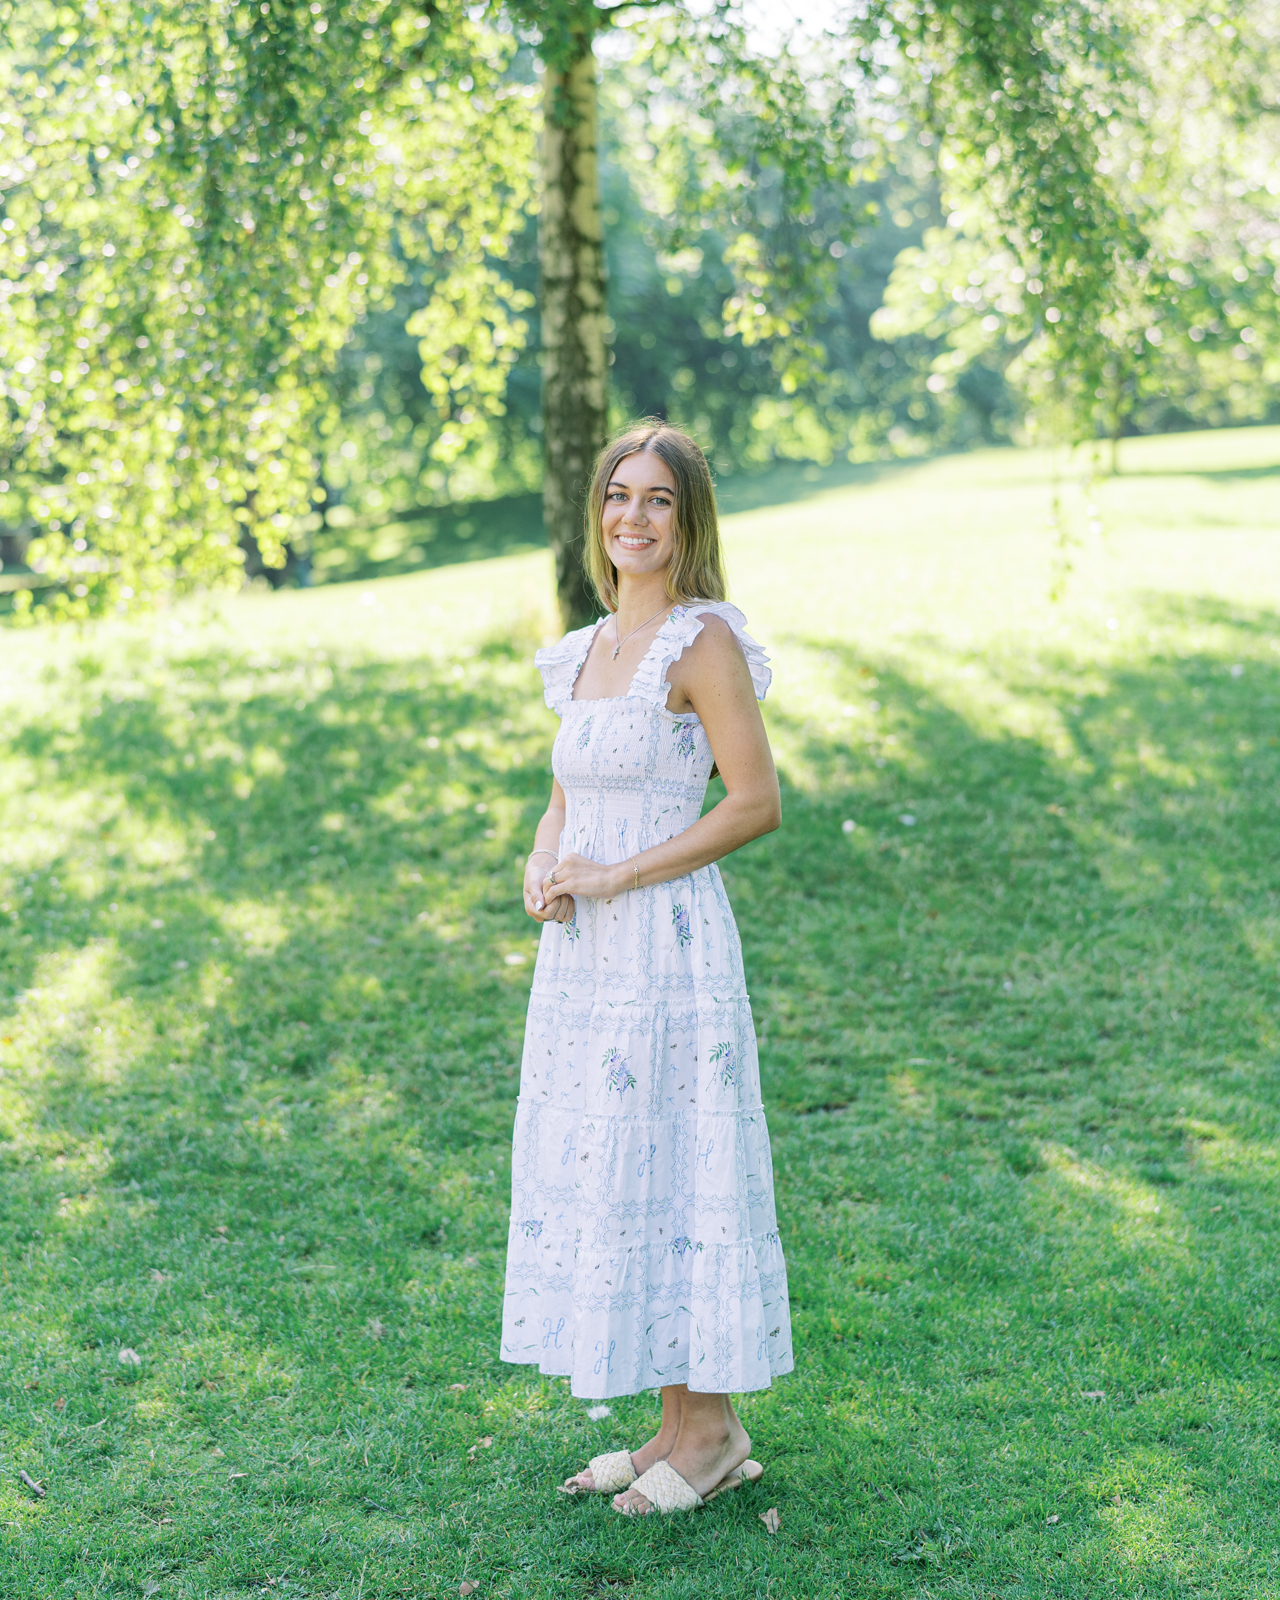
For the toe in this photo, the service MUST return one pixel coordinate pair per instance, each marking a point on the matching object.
(631, 1503)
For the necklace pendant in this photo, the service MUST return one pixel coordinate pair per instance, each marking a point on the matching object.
(615, 653)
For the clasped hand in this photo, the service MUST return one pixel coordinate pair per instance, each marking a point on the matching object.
(546, 901)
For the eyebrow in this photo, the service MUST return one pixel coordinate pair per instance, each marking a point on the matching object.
(654, 488)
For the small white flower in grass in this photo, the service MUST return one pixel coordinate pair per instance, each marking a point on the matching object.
(129, 1358)
(599, 1413)
(907, 820)
(848, 826)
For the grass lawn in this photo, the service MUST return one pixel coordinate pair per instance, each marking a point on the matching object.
(263, 971)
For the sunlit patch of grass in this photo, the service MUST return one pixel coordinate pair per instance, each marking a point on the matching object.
(261, 994)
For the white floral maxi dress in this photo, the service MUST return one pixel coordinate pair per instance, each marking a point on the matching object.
(644, 1244)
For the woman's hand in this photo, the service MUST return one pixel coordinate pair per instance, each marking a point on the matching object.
(559, 908)
(576, 875)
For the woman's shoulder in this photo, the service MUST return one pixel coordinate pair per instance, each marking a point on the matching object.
(703, 627)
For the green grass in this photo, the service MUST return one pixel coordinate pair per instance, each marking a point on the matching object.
(262, 977)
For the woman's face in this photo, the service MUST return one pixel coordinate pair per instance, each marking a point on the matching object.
(639, 504)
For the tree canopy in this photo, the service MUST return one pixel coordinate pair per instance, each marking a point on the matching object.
(207, 212)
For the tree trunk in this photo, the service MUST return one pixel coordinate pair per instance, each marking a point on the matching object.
(574, 355)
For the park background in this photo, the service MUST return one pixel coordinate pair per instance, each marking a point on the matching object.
(271, 758)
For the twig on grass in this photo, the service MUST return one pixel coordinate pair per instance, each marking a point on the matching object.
(37, 1489)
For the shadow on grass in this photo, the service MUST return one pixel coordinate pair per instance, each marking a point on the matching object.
(436, 536)
(1019, 1056)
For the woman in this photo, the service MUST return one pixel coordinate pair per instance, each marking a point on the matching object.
(644, 1249)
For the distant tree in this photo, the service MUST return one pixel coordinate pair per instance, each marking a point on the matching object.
(1113, 238)
(198, 202)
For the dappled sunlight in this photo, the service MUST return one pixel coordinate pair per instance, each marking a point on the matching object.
(260, 928)
(1141, 1216)
(1012, 959)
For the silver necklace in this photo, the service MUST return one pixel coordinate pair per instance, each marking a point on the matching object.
(620, 642)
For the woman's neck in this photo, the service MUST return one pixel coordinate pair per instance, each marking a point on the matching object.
(640, 596)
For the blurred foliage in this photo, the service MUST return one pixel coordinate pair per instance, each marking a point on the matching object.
(199, 204)
(1113, 238)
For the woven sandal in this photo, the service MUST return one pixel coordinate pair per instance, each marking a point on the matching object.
(666, 1491)
(610, 1474)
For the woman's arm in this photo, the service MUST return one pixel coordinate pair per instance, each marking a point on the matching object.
(712, 677)
(546, 840)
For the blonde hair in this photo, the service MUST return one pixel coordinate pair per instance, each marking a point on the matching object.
(696, 568)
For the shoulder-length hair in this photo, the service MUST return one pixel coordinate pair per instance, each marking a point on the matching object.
(696, 569)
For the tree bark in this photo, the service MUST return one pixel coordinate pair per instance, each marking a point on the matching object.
(574, 353)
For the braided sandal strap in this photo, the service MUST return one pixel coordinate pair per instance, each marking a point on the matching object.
(665, 1490)
(612, 1472)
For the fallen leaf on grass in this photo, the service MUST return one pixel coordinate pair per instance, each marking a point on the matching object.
(375, 1328)
(129, 1358)
(34, 1384)
(484, 1444)
(1051, 1520)
(467, 1587)
(217, 1451)
(1093, 1394)
(60, 1404)
(237, 1475)
(457, 1388)
(1116, 1500)
(159, 1277)
(770, 1519)
(599, 1413)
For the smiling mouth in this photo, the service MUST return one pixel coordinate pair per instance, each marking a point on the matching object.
(634, 541)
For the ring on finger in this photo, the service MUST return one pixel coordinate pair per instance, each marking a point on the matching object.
(552, 878)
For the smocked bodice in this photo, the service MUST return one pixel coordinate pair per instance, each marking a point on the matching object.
(633, 773)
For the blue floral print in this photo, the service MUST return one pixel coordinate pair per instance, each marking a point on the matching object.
(617, 1075)
(723, 1058)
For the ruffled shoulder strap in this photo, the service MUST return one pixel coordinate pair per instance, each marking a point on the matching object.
(675, 636)
(560, 665)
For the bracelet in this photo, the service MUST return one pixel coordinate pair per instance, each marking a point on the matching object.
(635, 862)
(533, 853)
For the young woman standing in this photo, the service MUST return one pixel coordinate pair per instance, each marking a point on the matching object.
(644, 1249)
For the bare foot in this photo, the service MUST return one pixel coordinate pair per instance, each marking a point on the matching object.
(706, 1455)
